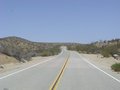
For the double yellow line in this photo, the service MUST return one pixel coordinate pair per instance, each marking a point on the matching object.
(57, 80)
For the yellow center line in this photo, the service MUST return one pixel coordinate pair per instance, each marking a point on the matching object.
(57, 80)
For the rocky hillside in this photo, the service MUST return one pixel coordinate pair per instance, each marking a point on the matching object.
(23, 49)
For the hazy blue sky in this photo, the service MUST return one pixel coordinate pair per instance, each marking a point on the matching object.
(60, 20)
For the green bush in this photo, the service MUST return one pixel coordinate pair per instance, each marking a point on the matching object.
(45, 53)
(105, 53)
(116, 67)
(84, 48)
(109, 50)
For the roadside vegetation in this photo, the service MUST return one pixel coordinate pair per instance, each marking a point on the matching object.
(105, 48)
(23, 49)
(116, 67)
(84, 48)
(110, 50)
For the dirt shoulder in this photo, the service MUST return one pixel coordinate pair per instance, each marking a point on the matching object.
(4, 59)
(12, 64)
(103, 62)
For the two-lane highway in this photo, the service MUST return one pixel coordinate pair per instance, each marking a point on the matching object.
(68, 71)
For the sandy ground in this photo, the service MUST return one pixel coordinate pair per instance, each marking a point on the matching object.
(16, 65)
(103, 62)
(4, 59)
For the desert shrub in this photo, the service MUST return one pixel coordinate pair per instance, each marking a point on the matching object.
(85, 48)
(116, 67)
(51, 51)
(105, 53)
(45, 53)
(23, 49)
(109, 50)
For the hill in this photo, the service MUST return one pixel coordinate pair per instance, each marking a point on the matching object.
(24, 49)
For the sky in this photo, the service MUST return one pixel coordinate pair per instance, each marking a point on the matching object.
(80, 21)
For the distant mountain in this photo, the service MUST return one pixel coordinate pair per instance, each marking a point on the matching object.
(24, 49)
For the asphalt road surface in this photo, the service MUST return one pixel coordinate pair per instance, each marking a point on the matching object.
(67, 71)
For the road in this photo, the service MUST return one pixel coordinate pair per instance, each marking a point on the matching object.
(67, 71)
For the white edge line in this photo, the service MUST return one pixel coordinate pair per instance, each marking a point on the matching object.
(28, 67)
(99, 69)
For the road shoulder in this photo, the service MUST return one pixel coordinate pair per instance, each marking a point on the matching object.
(102, 63)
